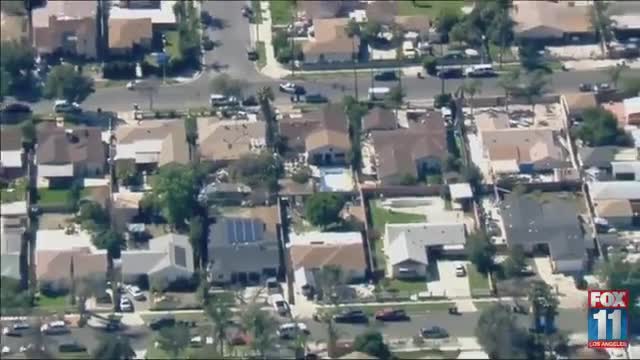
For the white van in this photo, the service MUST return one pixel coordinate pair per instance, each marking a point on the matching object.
(63, 106)
(479, 70)
(378, 93)
(54, 327)
(221, 100)
(290, 330)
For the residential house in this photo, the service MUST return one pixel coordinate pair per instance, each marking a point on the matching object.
(632, 111)
(160, 12)
(626, 18)
(68, 27)
(407, 246)
(379, 118)
(243, 246)
(223, 141)
(579, 102)
(312, 251)
(153, 143)
(168, 257)
(523, 150)
(322, 134)
(550, 224)
(598, 162)
(413, 151)
(626, 170)
(13, 218)
(130, 35)
(617, 202)
(66, 153)
(14, 27)
(383, 12)
(419, 24)
(11, 152)
(329, 43)
(553, 22)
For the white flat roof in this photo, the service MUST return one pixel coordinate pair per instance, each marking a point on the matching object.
(318, 237)
(11, 159)
(59, 240)
(460, 191)
(623, 190)
(13, 208)
(163, 15)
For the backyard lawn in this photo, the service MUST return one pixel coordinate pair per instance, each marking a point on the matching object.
(281, 11)
(428, 7)
(477, 282)
(53, 196)
(380, 217)
(53, 304)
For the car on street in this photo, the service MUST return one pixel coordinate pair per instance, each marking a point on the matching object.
(16, 108)
(72, 346)
(126, 305)
(585, 87)
(252, 55)
(131, 85)
(292, 89)
(279, 304)
(135, 291)
(385, 76)
(162, 322)
(450, 73)
(392, 315)
(273, 286)
(351, 317)
(64, 106)
(10, 331)
(289, 331)
(316, 99)
(55, 328)
(246, 11)
(434, 332)
(6, 350)
(460, 270)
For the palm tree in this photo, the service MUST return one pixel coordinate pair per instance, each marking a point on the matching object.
(470, 88)
(509, 82)
(502, 32)
(220, 315)
(329, 280)
(265, 97)
(85, 288)
(116, 347)
(262, 327)
(544, 304)
(601, 21)
(352, 30)
(395, 98)
(615, 72)
(174, 339)
(536, 87)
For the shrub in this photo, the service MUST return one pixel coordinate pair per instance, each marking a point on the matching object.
(441, 100)
(430, 64)
(119, 70)
(149, 69)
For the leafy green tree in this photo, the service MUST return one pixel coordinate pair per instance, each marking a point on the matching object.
(28, 135)
(93, 217)
(395, 97)
(501, 32)
(481, 252)
(64, 82)
(509, 82)
(191, 129)
(220, 315)
(620, 274)
(16, 59)
(615, 73)
(174, 340)
(515, 262)
(470, 88)
(369, 32)
(126, 172)
(372, 343)
(197, 236)
(109, 240)
(113, 347)
(499, 335)
(174, 193)
(12, 298)
(323, 209)
(472, 174)
(447, 19)
(601, 21)
(258, 170)
(302, 175)
(265, 97)
(74, 195)
(544, 302)
(600, 128)
(531, 59)
(408, 180)
(537, 85)
(226, 85)
(261, 327)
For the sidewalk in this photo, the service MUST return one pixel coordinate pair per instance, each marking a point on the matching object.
(599, 64)
(262, 32)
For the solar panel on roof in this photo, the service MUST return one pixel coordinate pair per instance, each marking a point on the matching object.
(243, 230)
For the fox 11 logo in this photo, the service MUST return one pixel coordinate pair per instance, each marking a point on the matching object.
(608, 318)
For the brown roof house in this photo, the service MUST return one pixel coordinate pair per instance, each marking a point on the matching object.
(552, 21)
(383, 12)
(64, 153)
(410, 152)
(379, 118)
(229, 140)
(127, 35)
(153, 143)
(66, 26)
(415, 23)
(329, 42)
(329, 143)
(11, 152)
(312, 251)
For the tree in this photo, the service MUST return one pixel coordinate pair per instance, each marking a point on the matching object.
(615, 72)
(13, 300)
(109, 240)
(631, 86)
(394, 98)
(515, 262)
(369, 32)
(447, 19)
(329, 280)
(352, 30)
(372, 343)
(228, 86)
(472, 174)
(470, 88)
(536, 86)
(501, 33)
(499, 335)
(197, 237)
(28, 135)
(64, 82)
(302, 175)
(17, 60)
(620, 274)
(74, 195)
(544, 305)
(220, 315)
(113, 347)
(191, 129)
(84, 288)
(481, 252)
(174, 340)
(600, 128)
(126, 172)
(262, 328)
(509, 82)
(354, 111)
(265, 97)
(530, 58)
(601, 21)
(93, 217)
(408, 180)
(323, 209)
(174, 193)
(258, 170)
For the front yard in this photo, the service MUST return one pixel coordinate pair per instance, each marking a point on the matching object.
(406, 286)
(15, 192)
(409, 308)
(282, 11)
(432, 8)
(478, 283)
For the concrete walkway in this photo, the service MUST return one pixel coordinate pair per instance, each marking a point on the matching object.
(262, 32)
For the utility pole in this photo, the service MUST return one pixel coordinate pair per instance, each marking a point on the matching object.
(293, 50)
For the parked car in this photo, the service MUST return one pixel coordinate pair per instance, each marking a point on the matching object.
(460, 270)
(252, 55)
(218, 100)
(55, 328)
(291, 88)
(250, 101)
(482, 70)
(353, 317)
(434, 332)
(585, 87)
(385, 76)
(6, 350)
(391, 315)
(126, 305)
(21, 325)
(131, 85)
(64, 106)
(450, 73)
(279, 304)
(273, 286)
(289, 331)
(16, 108)
(135, 291)
(10, 331)
(72, 347)
(316, 99)
(159, 323)
(247, 11)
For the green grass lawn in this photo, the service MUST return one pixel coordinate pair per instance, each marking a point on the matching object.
(477, 281)
(172, 44)
(427, 354)
(53, 196)
(281, 11)
(53, 304)
(15, 192)
(225, 296)
(481, 305)
(428, 7)
(407, 286)
(380, 217)
(257, 12)
(262, 54)
(409, 308)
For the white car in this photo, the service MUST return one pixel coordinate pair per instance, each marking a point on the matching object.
(135, 292)
(290, 330)
(125, 304)
(131, 85)
(6, 350)
(460, 270)
(289, 88)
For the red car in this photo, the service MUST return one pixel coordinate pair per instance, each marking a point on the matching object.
(392, 315)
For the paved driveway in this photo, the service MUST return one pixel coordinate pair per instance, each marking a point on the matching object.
(453, 286)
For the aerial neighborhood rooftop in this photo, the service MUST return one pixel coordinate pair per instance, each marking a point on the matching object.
(240, 179)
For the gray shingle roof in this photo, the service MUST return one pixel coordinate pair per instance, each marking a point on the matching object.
(600, 157)
(409, 241)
